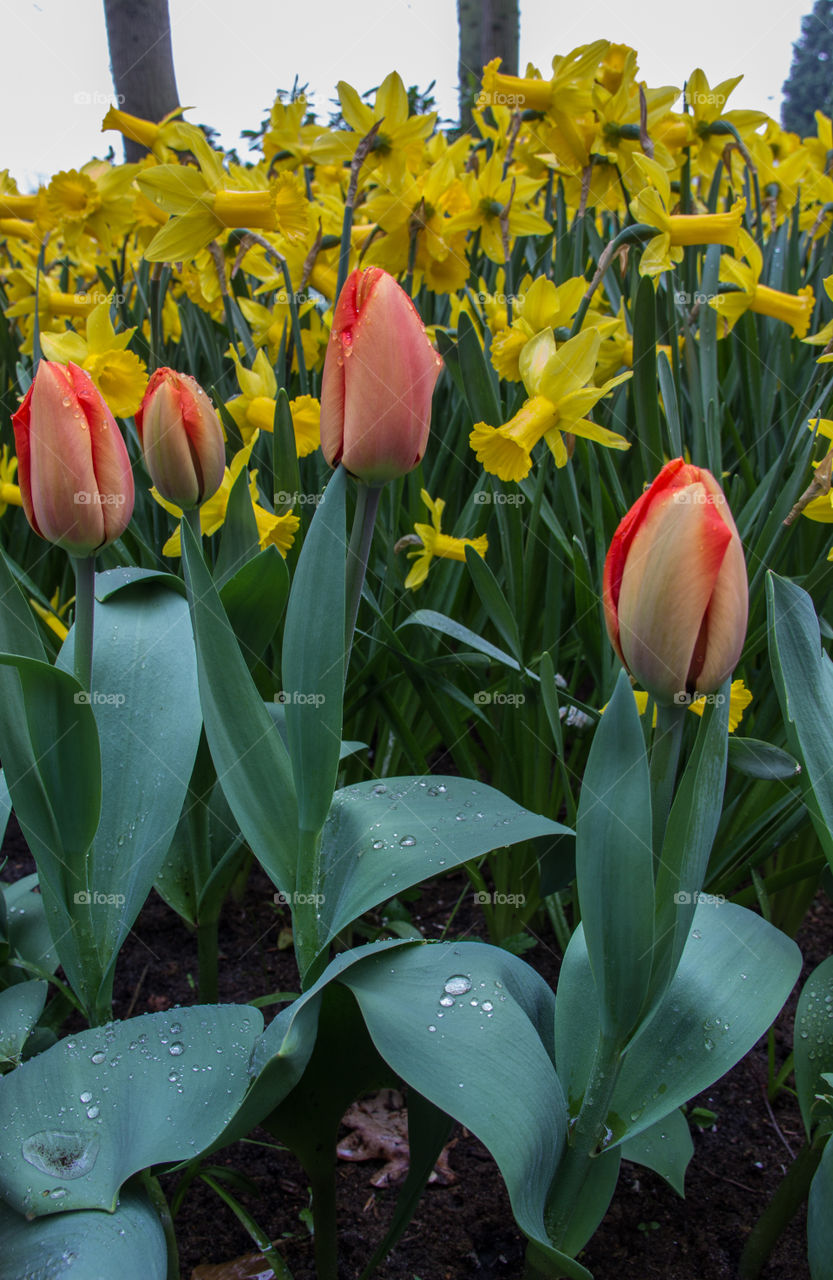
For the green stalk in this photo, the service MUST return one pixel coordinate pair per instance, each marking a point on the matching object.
(192, 516)
(323, 1187)
(367, 504)
(84, 567)
(160, 1204)
(588, 1131)
(789, 1196)
(305, 910)
(665, 755)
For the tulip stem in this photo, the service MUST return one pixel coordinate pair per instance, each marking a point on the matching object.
(192, 516)
(665, 756)
(84, 567)
(367, 504)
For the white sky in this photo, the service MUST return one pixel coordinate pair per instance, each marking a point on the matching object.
(232, 55)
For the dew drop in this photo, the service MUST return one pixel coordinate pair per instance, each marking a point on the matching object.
(378, 844)
(432, 1027)
(457, 985)
(446, 1001)
(98, 1057)
(85, 1097)
(407, 842)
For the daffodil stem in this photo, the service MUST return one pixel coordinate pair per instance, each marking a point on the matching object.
(587, 1134)
(367, 504)
(84, 567)
(665, 755)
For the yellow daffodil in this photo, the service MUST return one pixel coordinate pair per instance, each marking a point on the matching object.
(399, 142)
(540, 304)
(825, 334)
(94, 200)
(171, 133)
(568, 90)
(557, 381)
(54, 616)
(676, 230)
(795, 309)
(739, 699)
(436, 543)
(120, 375)
(9, 491)
(203, 203)
(278, 531)
(254, 409)
(706, 105)
(495, 202)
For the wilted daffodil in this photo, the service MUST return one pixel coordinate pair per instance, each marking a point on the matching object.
(556, 379)
(273, 530)
(118, 373)
(653, 205)
(795, 309)
(254, 409)
(436, 543)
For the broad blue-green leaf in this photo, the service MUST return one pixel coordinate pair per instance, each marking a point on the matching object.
(147, 710)
(803, 676)
(20, 1007)
(594, 1201)
(129, 1243)
(251, 761)
(689, 836)
(465, 1024)
(820, 1219)
(28, 931)
(614, 863)
(383, 837)
(113, 580)
(254, 600)
(18, 630)
(103, 1104)
(312, 666)
(5, 805)
(813, 1042)
(756, 759)
(666, 1147)
(734, 975)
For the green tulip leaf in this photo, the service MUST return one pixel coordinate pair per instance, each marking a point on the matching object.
(813, 1044)
(254, 600)
(614, 863)
(129, 1243)
(803, 676)
(28, 931)
(463, 1024)
(252, 763)
(666, 1147)
(819, 1217)
(312, 669)
(240, 541)
(20, 1007)
(5, 805)
(96, 1108)
(113, 580)
(383, 837)
(756, 759)
(734, 975)
(147, 710)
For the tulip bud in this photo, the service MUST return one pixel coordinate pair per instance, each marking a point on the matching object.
(73, 470)
(675, 587)
(181, 438)
(379, 376)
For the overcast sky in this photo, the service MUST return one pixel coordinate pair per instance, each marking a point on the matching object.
(232, 55)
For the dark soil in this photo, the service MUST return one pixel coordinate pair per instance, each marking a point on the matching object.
(467, 1229)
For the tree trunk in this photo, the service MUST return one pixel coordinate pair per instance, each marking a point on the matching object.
(488, 29)
(141, 59)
